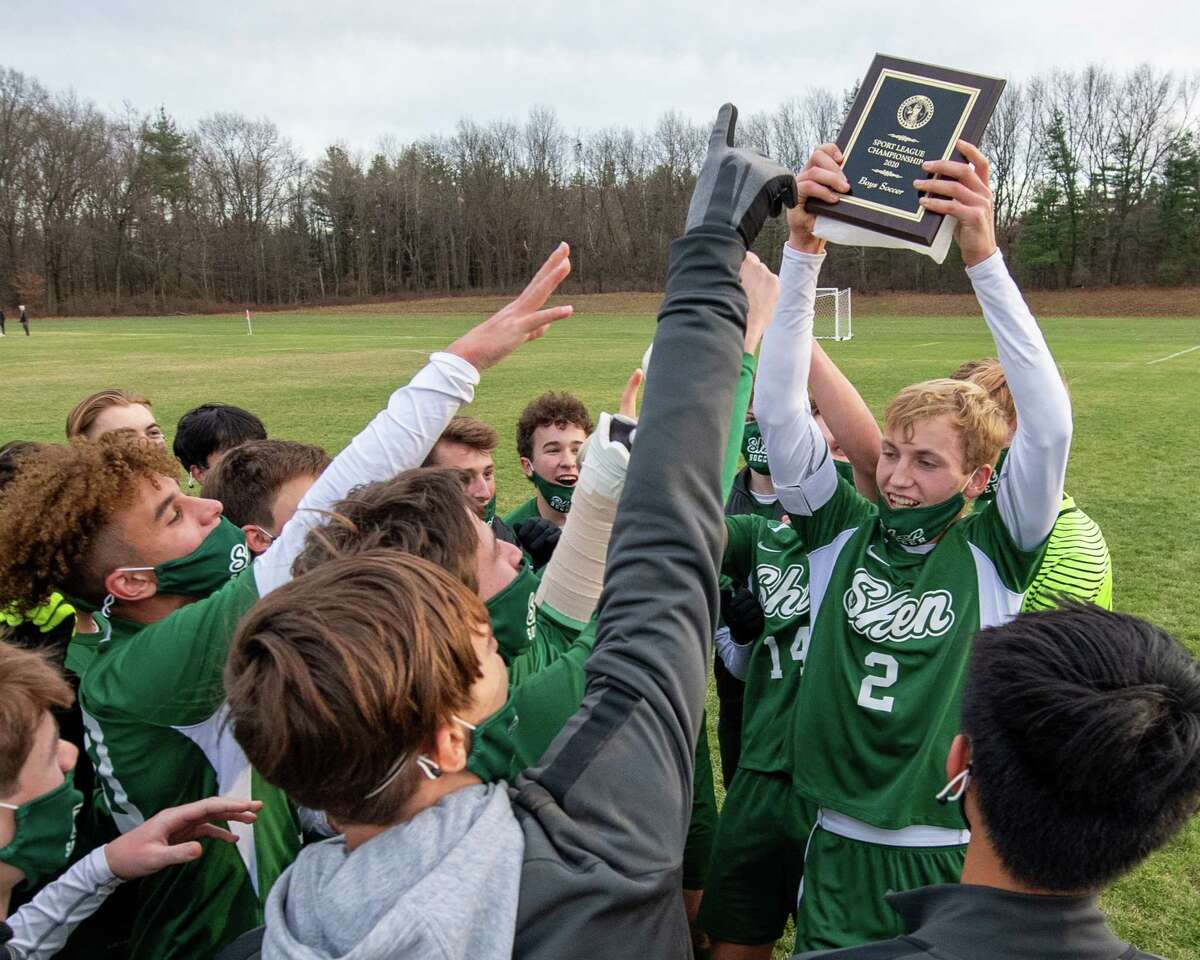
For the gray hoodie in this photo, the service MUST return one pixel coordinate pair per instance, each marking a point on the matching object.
(444, 885)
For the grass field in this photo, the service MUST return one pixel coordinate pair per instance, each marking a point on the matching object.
(319, 376)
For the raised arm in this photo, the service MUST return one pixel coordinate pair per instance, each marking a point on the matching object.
(795, 447)
(612, 795)
(1031, 485)
(848, 417)
(401, 436)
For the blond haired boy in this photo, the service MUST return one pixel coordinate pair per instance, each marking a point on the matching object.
(898, 589)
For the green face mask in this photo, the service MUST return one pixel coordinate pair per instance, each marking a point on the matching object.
(993, 484)
(494, 754)
(915, 526)
(489, 512)
(514, 613)
(222, 555)
(45, 833)
(555, 494)
(754, 448)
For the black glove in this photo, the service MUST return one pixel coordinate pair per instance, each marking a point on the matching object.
(738, 188)
(538, 537)
(742, 615)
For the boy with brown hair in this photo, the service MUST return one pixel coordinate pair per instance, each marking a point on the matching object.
(603, 816)
(550, 432)
(38, 806)
(174, 577)
(898, 589)
(115, 409)
(468, 444)
(259, 484)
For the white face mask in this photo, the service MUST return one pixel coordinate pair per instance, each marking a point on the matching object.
(953, 791)
(430, 769)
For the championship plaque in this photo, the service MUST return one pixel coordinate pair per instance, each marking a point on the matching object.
(905, 113)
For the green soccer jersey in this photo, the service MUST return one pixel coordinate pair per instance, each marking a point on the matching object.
(153, 708)
(526, 511)
(1076, 566)
(546, 683)
(891, 635)
(769, 556)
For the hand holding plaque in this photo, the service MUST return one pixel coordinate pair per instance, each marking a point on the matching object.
(906, 114)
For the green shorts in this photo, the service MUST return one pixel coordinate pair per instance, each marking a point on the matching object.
(758, 859)
(698, 849)
(841, 899)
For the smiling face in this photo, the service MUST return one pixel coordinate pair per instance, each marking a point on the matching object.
(555, 453)
(923, 464)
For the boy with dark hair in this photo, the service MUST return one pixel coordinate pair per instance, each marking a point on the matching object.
(602, 818)
(468, 444)
(205, 433)
(1079, 755)
(898, 588)
(260, 483)
(550, 432)
(108, 523)
(1077, 564)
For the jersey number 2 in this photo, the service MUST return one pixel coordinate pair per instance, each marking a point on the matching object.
(871, 682)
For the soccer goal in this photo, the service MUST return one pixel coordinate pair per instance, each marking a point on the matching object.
(832, 319)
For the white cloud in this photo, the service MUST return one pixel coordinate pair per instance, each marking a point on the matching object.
(358, 72)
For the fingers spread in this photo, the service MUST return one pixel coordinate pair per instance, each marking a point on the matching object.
(975, 156)
(215, 832)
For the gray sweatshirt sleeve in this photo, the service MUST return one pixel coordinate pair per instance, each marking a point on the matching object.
(41, 927)
(801, 467)
(605, 811)
(1031, 485)
(398, 438)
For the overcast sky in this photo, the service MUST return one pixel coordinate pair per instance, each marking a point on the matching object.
(358, 72)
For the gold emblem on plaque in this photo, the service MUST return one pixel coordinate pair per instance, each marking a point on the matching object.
(915, 112)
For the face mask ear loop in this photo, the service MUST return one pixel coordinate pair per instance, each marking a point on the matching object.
(106, 606)
(952, 792)
(431, 770)
(10, 806)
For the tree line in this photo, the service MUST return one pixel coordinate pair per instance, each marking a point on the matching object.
(1096, 176)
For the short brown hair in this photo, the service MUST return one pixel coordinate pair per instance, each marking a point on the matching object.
(80, 420)
(347, 670)
(550, 409)
(29, 686)
(980, 423)
(987, 372)
(56, 513)
(424, 512)
(470, 433)
(249, 476)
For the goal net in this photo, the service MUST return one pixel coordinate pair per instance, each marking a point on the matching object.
(832, 319)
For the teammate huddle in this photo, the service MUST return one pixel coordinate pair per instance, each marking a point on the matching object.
(440, 733)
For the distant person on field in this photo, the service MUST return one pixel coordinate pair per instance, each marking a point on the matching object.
(468, 444)
(24, 319)
(261, 482)
(111, 410)
(1079, 755)
(206, 433)
(1077, 563)
(1, 321)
